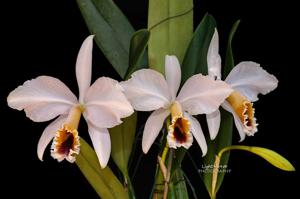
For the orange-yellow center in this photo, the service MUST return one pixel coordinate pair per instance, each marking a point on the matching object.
(181, 130)
(66, 143)
(243, 109)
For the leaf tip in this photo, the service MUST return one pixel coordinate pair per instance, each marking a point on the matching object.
(290, 167)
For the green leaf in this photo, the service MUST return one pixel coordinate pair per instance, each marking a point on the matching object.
(179, 156)
(271, 156)
(112, 31)
(224, 137)
(229, 62)
(171, 26)
(195, 60)
(138, 44)
(104, 182)
(177, 188)
(122, 137)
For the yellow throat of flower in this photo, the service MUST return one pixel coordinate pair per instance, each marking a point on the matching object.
(66, 143)
(179, 130)
(244, 110)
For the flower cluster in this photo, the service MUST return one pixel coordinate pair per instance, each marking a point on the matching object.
(169, 69)
(104, 103)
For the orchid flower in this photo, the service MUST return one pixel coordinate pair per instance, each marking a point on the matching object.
(148, 90)
(102, 105)
(247, 79)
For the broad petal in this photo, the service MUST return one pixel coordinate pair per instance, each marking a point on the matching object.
(197, 133)
(84, 66)
(48, 134)
(106, 104)
(173, 74)
(238, 123)
(101, 142)
(213, 123)
(152, 127)
(202, 95)
(147, 90)
(250, 79)
(101, 116)
(44, 111)
(42, 98)
(213, 57)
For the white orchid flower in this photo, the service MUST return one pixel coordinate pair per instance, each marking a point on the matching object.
(102, 105)
(148, 90)
(247, 79)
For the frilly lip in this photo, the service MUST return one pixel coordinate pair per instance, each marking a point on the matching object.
(179, 134)
(248, 120)
(65, 145)
(244, 110)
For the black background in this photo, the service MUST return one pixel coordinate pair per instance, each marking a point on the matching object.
(43, 38)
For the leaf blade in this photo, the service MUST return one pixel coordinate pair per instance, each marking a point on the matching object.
(112, 31)
(122, 137)
(270, 156)
(195, 60)
(229, 62)
(273, 158)
(178, 187)
(137, 51)
(171, 26)
(103, 181)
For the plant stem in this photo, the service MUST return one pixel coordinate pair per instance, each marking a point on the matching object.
(233, 147)
(167, 180)
(217, 164)
(165, 152)
(130, 187)
(215, 177)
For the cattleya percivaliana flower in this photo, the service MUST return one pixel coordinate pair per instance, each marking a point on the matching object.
(148, 90)
(102, 105)
(247, 79)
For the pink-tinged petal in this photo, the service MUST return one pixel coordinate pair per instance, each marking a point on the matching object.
(197, 132)
(147, 90)
(101, 116)
(101, 142)
(250, 79)
(152, 127)
(173, 74)
(213, 57)
(84, 66)
(213, 123)
(48, 134)
(238, 123)
(42, 98)
(106, 104)
(202, 95)
(44, 111)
